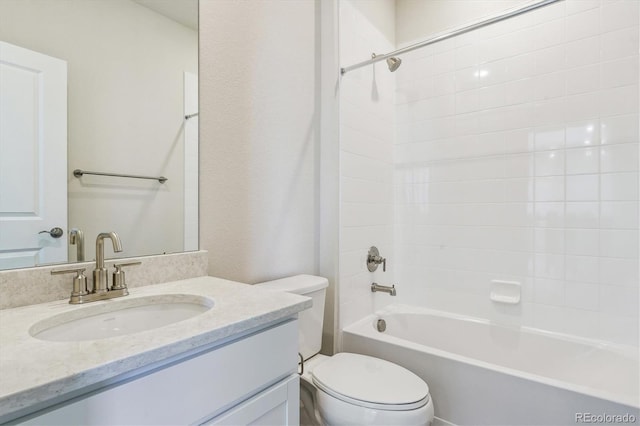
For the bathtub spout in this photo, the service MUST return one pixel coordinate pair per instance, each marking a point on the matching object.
(383, 288)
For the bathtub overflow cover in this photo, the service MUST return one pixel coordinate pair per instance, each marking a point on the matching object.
(381, 325)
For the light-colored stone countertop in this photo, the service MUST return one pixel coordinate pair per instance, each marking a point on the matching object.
(33, 371)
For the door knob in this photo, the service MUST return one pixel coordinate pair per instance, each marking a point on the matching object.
(55, 232)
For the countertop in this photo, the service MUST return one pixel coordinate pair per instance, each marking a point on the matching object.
(34, 372)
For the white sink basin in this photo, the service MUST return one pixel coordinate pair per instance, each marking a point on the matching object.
(118, 317)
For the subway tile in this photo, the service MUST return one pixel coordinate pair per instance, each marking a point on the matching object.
(514, 214)
(619, 186)
(550, 59)
(616, 15)
(581, 214)
(577, 6)
(548, 138)
(584, 52)
(621, 301)
(549, 214)
(518, 91)
(491, 97)
(582, 295)
(551, 111)
(548, 86)
(619, 214)
(518, 190)
(621, 72)
(619, 158)
(583, 79)
(619, 272)
(549, 163)
(466, 101)
(466, 56)
(443, 84)
(549, 240)
(552, 33)
(549, 13)
(582, 242)
(549, 188)
(581, 268)
(582, 25)
(443, 62)
(582, 106)
(619, 44)
(583, 133)
(519, 141)
(550, 266)
(582, 160)
(620, 129)
(549, 291)
(519, 165)
(582, 188)
(467, 79)
(517, 154)
(619, 100)
(619, 243)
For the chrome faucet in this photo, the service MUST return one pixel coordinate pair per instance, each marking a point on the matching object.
(383, 288)
(100, 277)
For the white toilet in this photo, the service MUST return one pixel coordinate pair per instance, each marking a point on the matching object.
(350, 389)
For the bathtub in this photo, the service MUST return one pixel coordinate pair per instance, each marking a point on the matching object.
(480, 373)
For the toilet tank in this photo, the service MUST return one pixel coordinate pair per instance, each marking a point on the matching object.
(310, 320)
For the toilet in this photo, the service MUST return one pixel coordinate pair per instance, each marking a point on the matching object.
(349, 388)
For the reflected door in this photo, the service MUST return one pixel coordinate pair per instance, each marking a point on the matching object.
(33, 157)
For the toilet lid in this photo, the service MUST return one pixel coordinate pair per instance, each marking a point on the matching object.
(370, 382)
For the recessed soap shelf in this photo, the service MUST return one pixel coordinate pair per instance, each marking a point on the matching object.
(507, 292)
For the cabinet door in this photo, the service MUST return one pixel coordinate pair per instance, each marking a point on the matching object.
(190, 391)
(278, 405)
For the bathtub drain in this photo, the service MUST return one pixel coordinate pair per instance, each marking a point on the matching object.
(381, 325)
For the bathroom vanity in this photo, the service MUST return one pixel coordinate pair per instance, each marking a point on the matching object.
(233, 362)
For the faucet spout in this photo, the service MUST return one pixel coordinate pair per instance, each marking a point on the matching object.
(76, 236)
(115, 240)
(383, 288)
(100, 280)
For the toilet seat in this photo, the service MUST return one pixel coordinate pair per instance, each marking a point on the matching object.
(370, 382)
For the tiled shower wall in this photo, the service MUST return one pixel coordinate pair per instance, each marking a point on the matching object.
(516, 158)
(367, 110)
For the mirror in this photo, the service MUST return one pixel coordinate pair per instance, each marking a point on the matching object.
(104, 86)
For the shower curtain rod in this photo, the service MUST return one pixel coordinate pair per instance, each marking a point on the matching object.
(444, 36)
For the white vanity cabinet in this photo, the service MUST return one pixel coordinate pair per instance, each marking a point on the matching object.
(250, 380)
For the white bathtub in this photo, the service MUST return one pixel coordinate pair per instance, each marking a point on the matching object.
(480, 373)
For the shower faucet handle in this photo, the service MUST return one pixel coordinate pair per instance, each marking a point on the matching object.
(374, 259)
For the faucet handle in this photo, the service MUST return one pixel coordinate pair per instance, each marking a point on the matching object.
(119, 282)
(79, 282)
(374, 259)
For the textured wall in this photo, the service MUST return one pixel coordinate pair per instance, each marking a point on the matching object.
(258, 138)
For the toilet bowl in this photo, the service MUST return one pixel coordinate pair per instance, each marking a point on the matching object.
(349, 388)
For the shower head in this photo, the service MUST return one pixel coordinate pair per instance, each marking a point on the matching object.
(394, 63)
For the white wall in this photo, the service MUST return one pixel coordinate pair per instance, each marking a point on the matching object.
(517, 158)
(366, 156)
(259, 138)
(125, 82)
